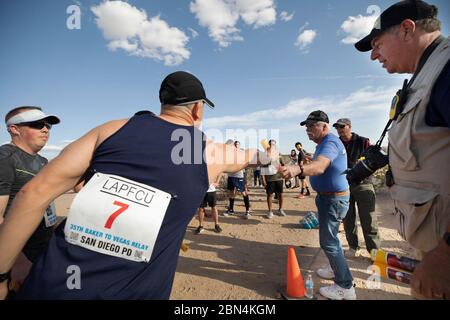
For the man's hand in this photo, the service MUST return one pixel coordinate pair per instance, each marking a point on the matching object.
(308, 157)
(289, 171)
(431, 278)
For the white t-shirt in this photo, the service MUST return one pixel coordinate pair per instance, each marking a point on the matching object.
(238, 174)
(271, 171)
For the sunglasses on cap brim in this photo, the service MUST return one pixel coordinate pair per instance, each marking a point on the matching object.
(36, 125)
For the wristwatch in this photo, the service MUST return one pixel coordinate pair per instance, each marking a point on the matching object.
(5, 276)
(447, 238)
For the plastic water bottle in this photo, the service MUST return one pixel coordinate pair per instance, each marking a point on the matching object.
(309, 286)
(307, 222)
(315, 221)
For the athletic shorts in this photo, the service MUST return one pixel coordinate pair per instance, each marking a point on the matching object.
(274, 187)
(235, 183)
(209, 200)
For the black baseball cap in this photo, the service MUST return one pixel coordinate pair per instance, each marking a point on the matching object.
(180, 88)
(316, 116)
(396, 14)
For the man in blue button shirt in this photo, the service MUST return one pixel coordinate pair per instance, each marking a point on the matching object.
(327, 178)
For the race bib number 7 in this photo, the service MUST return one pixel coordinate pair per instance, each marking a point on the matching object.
(117, 216)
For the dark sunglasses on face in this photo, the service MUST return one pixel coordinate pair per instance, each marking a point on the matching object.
(36, 125)
(339, 126)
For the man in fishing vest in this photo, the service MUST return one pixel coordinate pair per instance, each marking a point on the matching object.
(406, 38)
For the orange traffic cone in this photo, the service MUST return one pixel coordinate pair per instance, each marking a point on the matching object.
(294, 280)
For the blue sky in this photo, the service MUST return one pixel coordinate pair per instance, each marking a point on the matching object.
(266, 64)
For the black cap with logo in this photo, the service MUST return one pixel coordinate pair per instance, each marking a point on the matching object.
(395, 15)
(316, 116)
(181, 88)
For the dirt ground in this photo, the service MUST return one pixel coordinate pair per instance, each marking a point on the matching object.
(248, 259)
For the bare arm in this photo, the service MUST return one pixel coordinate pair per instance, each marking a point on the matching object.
(217, 181)
(226, 158)
(3, 203)
(263, 180)
(59, 176)
(314, 168)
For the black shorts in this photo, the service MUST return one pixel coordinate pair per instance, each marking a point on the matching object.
(209, 200)
(274, 187)
(235, 183)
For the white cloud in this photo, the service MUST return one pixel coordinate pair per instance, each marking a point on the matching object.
(259, 13)
(258, 118)
(286, 16)
(368, 108)
(221, 17)
(130, 29)
(52, 148)
(357, 28)
(194, 33)
(305, 39)
(356, 104)
(303, 27)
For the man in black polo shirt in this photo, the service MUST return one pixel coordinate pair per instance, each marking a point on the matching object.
(29, 129)
(361, 194)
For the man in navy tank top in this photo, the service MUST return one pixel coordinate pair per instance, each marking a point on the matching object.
(144, 179)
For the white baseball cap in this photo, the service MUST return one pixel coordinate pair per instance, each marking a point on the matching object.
(31, 116)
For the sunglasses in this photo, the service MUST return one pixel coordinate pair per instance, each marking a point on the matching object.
(339, 126)
(36, 125)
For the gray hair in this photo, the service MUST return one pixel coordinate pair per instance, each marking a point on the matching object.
(429, 25)
(327, 125)
(185, 106)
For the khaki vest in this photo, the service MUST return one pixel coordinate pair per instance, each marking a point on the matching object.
(419, 154)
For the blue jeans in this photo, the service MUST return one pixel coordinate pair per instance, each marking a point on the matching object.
(332, 209)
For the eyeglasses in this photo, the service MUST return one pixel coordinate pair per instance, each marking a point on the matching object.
(339, 126)
(36, 125)
(311, 125)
